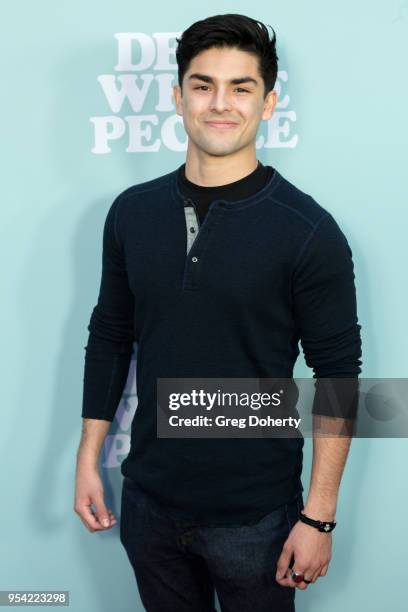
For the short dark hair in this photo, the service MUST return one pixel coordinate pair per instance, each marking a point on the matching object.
(230, 30)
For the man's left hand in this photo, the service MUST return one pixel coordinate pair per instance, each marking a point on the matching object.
(311, 550)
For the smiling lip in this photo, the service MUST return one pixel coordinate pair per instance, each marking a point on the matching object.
(221, 124)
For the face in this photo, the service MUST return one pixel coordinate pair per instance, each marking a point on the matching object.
(222, 102)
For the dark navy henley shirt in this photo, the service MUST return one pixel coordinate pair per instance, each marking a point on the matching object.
(263, 273)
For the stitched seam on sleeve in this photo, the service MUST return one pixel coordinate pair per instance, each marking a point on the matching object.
(309, 239)
(291, 210)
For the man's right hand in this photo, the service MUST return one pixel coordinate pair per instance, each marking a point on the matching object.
(89, 497)
(88, 492)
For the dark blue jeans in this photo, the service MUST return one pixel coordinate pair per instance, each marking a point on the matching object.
(178, 565)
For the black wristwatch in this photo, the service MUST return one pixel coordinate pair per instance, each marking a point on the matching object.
(324, 526)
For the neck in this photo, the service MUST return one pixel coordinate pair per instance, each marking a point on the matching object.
(211, 170)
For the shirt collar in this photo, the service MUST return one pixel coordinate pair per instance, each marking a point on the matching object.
(262, 194)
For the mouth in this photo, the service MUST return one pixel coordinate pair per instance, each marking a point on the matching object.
(221, 125)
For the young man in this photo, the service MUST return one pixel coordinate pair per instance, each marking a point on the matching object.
(218, 269)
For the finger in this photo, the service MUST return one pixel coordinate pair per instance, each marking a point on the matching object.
(301, 585)
(311, 577)
(101, 512)
(323, 572)
(283, 562)
(316, 574)
(96, 526)
(288, 581)
(86, 514)
(89, 528)
(112, 518)
(88, 518)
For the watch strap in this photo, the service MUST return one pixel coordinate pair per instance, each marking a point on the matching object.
(324, 526)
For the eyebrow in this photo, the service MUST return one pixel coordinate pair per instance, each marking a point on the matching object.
(208, 79)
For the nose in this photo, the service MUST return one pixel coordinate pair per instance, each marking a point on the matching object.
(220, 101)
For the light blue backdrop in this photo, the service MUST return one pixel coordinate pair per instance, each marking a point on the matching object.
(343, 69)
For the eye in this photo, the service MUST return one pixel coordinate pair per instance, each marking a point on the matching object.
(241, 88)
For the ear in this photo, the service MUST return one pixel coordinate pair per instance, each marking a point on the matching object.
(269, 104)
(178, 99)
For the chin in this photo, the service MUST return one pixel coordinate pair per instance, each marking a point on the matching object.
(217, 151)
(214, 146)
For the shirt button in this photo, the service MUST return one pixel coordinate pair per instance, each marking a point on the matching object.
(192, 230)
(194, 259)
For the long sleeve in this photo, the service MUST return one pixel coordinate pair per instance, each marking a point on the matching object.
(111, 334)
(325, 310)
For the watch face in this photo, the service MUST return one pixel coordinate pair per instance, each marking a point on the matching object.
(326, 527)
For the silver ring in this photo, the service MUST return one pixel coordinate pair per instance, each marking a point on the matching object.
(295, 575)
